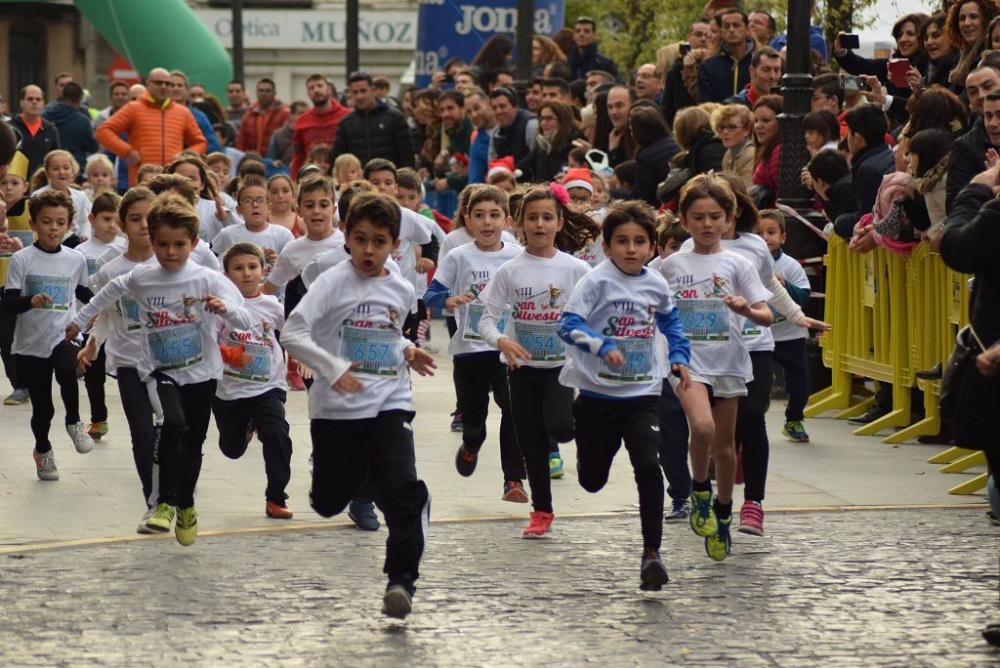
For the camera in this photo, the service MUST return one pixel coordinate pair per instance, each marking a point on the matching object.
(852, 83)
(685, 49)
(849, 41)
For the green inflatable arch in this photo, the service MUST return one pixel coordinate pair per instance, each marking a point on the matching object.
(161, 33)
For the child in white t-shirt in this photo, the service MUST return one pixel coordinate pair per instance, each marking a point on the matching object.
(614, 359)
(462, 276)
(216, 209)
(61, 170)
(534, 286)
(789, 338)
(180, 303)
(44, 281)
(252, 200)
(348, 329)
(251, 394)
(715, 290)
(104, 227)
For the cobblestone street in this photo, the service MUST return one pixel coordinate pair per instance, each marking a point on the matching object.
(906, 588)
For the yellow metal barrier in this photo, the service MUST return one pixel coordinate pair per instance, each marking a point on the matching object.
(892, 316)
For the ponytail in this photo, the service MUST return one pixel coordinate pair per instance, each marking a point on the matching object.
(578, 228)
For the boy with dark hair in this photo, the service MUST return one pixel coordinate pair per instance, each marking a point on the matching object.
(181, 303)
(361, 403)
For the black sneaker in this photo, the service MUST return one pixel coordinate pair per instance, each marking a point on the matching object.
(869, 416)
(653, 573)
(397, 602)
(465, 461)
(456, 422)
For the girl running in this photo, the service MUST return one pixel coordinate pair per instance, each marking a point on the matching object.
(281, 193)
(60, 170)
(535, 286)
(215, 209)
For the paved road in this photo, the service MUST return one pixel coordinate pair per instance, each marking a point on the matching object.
(885, 588)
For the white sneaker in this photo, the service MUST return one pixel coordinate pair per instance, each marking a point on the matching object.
(45, 465)
(142, 523)
(81, 439)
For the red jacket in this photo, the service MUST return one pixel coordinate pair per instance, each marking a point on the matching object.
(315, 126)
(257, 126)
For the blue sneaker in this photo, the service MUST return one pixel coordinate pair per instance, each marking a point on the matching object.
(555, 466)
(362, 513)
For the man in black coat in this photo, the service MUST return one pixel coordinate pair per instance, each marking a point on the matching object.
(76, 134)
(871, 159)
(373, 129)
(968, 153)
(584, 57)
(38, 136)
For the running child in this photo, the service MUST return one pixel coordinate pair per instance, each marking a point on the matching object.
(251, 393)
(610, 324)
(709, 284)
(60, 171)
(463, 275)
(119, 328)
(346, 168)
(252, 200)
(789, 338)
(104, 226)
(44, 281)
(281, 196)
(17, 234)
(179, 303)
(215, 208)
(361, 404)
(535, 286)
(100, 176)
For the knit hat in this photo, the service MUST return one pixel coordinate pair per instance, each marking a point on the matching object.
(502, 165)
(578, 178)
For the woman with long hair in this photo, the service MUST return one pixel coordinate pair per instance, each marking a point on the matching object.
(655, 148)
(556, 132)
(966, 27)
(544, 50)
(768, 153)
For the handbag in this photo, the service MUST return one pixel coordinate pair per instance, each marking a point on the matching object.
(960, 365)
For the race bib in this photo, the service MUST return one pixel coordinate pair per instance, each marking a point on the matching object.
(176, 346)
(541, 341)
(256, 364)
(473, 315)
(128, 309)
(638, 367)
(60, 288)
(91, 266)
(377, 350)
(750, 329)
(704, 319)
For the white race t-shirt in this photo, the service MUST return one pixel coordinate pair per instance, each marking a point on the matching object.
(536, 290)
(263, 367)
(414, 230)
(794, 274)
(93, 249)
(347, 318)
(57, 274)
(201, 254)
(699, 282)
(623, 307)
(461, 236)
(468, 270)
(210, 225)
(272, 237)
(330, 259)
(297, 254)
(592, 253)
(123, 320)
(179, 334)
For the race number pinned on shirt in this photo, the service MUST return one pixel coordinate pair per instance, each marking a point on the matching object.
(638, 367)
(375, 350)
(91, 266)
(59, 288)
(175, 346)
(256, 367)
(704, 319)
(128, 309)
(472, 318)
(541, 341)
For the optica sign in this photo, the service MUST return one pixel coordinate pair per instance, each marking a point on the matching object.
(447, 29)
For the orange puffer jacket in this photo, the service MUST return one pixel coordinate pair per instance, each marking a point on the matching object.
(158, 131)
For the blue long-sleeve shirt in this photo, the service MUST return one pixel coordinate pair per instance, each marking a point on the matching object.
(573, 329)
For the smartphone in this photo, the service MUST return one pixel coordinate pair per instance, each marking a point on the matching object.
(685, 49)
(852, 83)
(449, 79)
(849, 41)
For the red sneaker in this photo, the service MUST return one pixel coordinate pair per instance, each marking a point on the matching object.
(751, 518)
(538, 525)
(278, 511)
(293, 378)
(513, 491)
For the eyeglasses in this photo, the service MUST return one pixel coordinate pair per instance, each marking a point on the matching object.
(548, 118)
(158, 82)
(253, 201)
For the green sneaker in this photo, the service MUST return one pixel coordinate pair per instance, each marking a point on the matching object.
(161, 519)
(795, 431)
(702, 515)
(719, 545)
(186, 529)
(556, 466)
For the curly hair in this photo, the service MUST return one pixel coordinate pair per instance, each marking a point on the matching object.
(578, 228)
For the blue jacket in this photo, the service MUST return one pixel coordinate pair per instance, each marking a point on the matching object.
(720, 77)
(479, 157)
(75, 132)
(206, 128)
(817, 42)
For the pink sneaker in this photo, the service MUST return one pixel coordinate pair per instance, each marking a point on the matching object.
(752, 518)
(538, 525)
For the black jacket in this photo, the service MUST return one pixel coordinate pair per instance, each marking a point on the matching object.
(652, 166)
(542, 165)
(513, 140)
(675, 94)
(938, 70)
(867, 169)
(35, 148)
(380, 132)
(588, 61)
(706, 154)
(716, 78)
(968, 158)
(75, 131)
